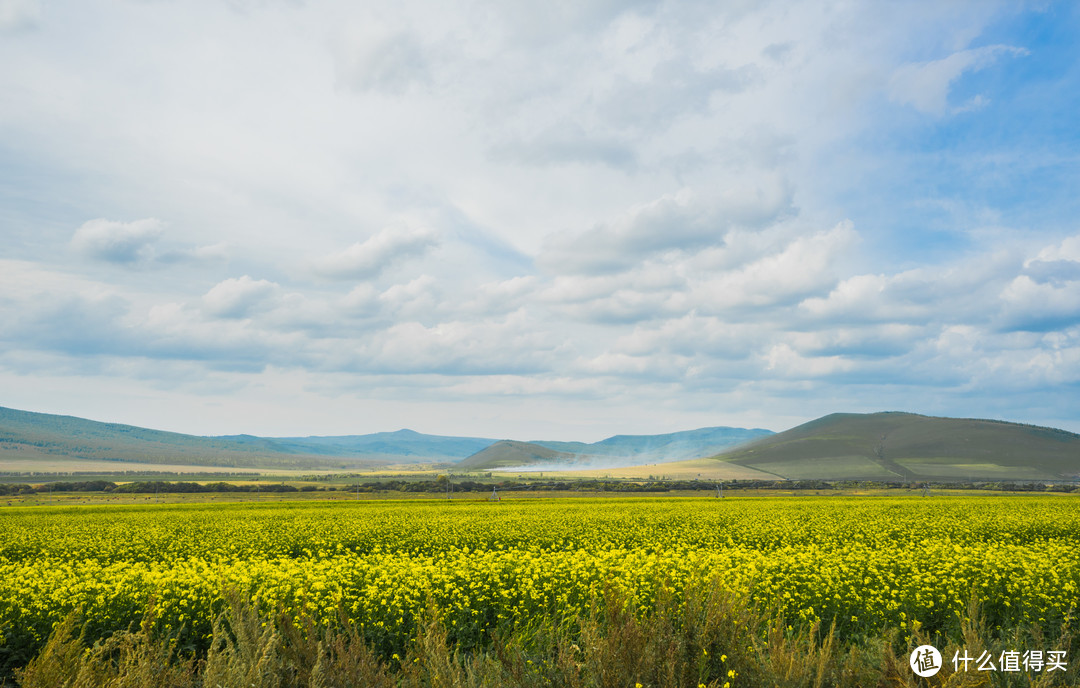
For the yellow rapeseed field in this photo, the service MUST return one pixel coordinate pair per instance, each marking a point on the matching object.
(864, 564)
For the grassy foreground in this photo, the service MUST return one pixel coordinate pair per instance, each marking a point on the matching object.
(709, 638)
(661, 592)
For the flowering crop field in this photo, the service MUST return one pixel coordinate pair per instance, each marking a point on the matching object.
(865, 564)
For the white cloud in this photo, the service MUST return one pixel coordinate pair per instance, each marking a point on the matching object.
(798, 270)
(627, 306)
(593, 200)
(507, 346)
(416, 299)
(1068, 249)
(569, 143)
(80, 325)
(682, 221)
(1027, 304)
(695, 336)
(374, 57)
(926, 85)
(909, 297)
(210, 253)
(117, 242)
(368, 258)
(784, 361)
(859, 296)
(363, 299)
(238, 297)
(861, 342)
(18, 14)
(24, 283)
(676, 89)
(495, 298)
(621, 365)
(176, 332)
(965, 290)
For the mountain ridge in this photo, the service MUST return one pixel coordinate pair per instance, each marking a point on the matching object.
(614, 451)
(896, 445)
(29, 435)
(890, 446)
(32, 435)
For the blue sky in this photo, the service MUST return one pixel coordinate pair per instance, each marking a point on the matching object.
(562, 220)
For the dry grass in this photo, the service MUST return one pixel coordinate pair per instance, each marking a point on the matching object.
(707, 638)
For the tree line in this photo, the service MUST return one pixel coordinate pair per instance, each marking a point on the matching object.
(443, 484)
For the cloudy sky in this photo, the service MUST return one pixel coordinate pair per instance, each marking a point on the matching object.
(559, 220)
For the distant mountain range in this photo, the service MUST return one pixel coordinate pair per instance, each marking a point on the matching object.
(27, 435)
(843, 446)
(401, 445)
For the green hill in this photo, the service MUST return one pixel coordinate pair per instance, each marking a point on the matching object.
(906, 446)
(510, 453)
(27, 435)
(614, 452)
(44, 437)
